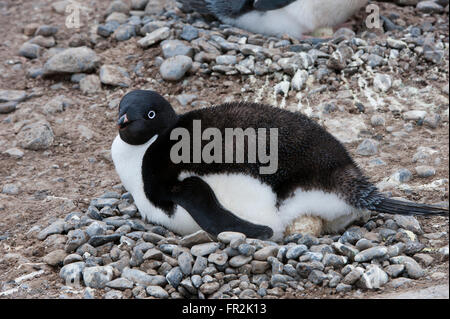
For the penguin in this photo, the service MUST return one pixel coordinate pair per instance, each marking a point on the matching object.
(277, 17)
(315, 175)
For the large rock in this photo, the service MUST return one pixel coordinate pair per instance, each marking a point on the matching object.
(73, 60)
(36, 136)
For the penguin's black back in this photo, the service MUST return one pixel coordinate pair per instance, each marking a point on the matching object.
(308, 156)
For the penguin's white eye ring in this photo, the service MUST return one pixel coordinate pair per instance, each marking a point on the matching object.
(151, 115)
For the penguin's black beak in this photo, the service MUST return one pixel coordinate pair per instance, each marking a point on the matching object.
(123, 121)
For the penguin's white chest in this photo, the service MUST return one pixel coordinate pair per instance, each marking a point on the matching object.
(243, 195)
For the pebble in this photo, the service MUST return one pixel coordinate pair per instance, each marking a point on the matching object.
(72, 273)
(157, 292)
(97, 277)
(296, 251)
(371, 253)
(240, 260)
(382, 82)
(174, 68)
(409, 223)
(199, 237)
(90, 84)
(174, 276)
(115, 76)
(56, 227)
(204, 249)
(424, 171)
(36, 136)
(30, 50)
(171, 48)
(368, 147)
(72, 60)
(154, 37)
(55, 258)
(189, 33)
(373, 278)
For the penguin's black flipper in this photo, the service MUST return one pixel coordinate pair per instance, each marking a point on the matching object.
(199, 200)
(266, 5)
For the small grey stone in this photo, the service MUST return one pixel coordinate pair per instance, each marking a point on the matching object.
(185, 261)
(368, 147)
(103, 239)
(334, 261)
(157, 292)
(204, 249)
(46, 30)
(8, 107)
(77, 238)
(154, 37)
(56, 227)
(317, 277)
(72, 60)
(403, 175)
(113, 294)
(353, 276)
(373, 278)
(55, 258)
(90, 84)
(174, 276)
(425, 171)
(409, 223)
(120, 284)
(209, 287)
(137, 276)
(240, 260)
(171, 48)
(30, 50)
(412, 268)
(219, 259)
(10, 189)
(266, 252)
(97, 277)
(36, 136)
(343, 288)
(228, 236)
(199, 237)
(189, 33)
(115, 76)
(371, 253)
(174, 68)
(12, 95)
(296, 251)
(124, 32)
(154, 254)
(72, 273)
(394, 270)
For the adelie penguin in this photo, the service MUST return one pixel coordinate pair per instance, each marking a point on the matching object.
(277, 17)
(315, 175)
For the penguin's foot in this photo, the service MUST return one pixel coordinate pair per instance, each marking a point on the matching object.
(311, 225)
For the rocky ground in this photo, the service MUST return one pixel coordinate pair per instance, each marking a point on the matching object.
(69, 230)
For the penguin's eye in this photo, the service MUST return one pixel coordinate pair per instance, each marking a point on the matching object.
(151, 115)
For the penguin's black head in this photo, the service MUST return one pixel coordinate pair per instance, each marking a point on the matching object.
(142, 115)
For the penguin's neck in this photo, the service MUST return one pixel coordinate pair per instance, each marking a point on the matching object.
(127, 160)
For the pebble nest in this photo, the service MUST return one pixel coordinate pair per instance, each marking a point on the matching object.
(111, 251)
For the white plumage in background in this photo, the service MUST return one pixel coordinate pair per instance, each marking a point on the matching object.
(277, 17)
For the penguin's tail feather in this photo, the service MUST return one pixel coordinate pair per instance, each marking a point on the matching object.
(398, 207)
